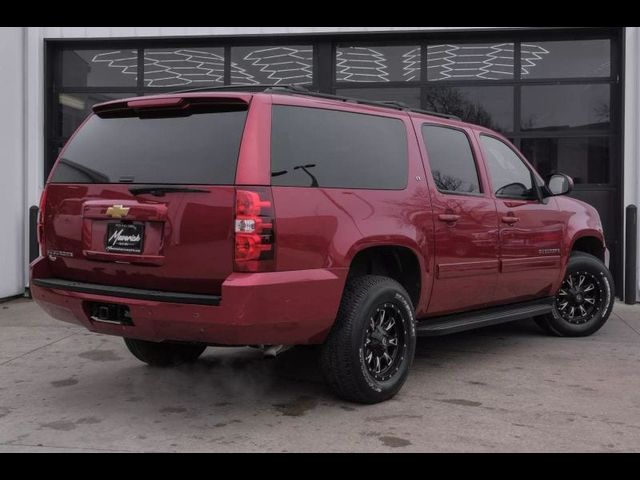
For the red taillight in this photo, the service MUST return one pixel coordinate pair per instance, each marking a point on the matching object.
(254, 230)
(40, 230)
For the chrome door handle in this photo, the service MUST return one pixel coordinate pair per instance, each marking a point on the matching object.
(510, 219)
(448, 217)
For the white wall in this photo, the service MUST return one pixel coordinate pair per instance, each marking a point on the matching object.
(632, 127)
(12, 163)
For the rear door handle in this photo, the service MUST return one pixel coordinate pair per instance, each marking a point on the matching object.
(448, 217)
(510, 219)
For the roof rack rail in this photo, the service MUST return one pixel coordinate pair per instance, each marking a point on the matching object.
(436, 114)
(301, 89)
(257, 86)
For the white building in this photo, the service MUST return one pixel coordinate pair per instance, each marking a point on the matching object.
(569, 98)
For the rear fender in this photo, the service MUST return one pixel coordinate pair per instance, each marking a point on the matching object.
(425, 264)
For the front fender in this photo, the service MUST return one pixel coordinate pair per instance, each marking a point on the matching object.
(583, 221)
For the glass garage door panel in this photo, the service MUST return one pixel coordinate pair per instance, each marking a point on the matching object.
(604, 201)
(75, 107)
(586, 160)
(183, 67)
(378, 64)
(491, 107)
(553, 107)
(408, 96)
(272, 65)
(99, 68)
(566, 59)
(484, 61)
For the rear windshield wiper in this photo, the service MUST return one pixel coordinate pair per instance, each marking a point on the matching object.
(160, 190)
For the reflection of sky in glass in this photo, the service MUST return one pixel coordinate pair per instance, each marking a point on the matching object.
(280, 65)
(470, 62)
(200, 66)
(186, 66)
(572, 59)
(95, 68)
(294, 64)
(565, 106)
(378, 64)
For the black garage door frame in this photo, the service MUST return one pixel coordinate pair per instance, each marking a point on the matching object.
(325, 46)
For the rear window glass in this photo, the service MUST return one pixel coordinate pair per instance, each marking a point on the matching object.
(201, 148)
(312, 147)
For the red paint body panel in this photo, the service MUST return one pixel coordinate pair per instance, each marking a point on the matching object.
(254, 163)
(156, 102)
(466, 253)
(526, 273)
(466, 241)
(257, 308)
(469, 252)
(188, 237)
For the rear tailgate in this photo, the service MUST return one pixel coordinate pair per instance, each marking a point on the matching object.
(142, 196)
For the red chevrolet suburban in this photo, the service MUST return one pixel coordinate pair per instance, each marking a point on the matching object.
(284, 217)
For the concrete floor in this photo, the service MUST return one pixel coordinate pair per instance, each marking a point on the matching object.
(505, 388)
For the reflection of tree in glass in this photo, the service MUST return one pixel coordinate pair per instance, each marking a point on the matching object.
(451, 184)
(453, 102)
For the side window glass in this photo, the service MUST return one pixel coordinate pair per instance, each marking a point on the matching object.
(313, 147)
(509, 176)
(452, 164)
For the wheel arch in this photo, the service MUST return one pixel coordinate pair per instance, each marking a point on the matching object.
(398, 260)
(591, 242)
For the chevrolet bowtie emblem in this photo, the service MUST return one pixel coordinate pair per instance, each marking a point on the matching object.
(117, 211)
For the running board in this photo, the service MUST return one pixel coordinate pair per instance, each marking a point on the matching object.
(460, 322)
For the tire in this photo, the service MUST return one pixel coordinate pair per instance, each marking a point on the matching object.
(583, 272)
(373, 312)
(164, 354)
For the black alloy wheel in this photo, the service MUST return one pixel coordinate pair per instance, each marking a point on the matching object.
(384, 341)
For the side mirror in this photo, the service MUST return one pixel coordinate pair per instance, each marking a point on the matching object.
(560, 184)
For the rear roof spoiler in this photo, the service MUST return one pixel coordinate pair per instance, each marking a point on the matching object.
(166, 103)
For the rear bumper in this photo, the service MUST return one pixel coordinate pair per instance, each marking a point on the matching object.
(273, 308)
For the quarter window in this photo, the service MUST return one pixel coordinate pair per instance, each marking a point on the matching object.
(510, 177)
(312, 147)
(452, 164)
